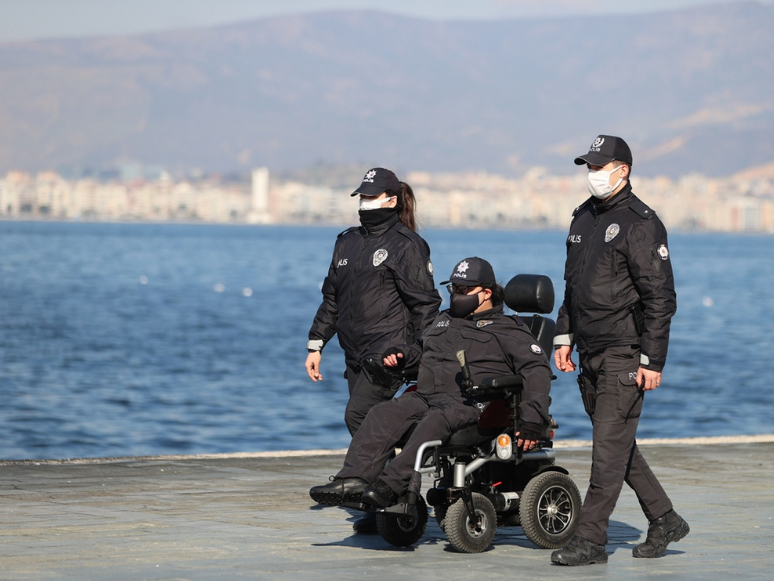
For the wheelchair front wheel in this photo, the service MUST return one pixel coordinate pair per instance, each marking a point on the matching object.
(402, 531)
(466, 535)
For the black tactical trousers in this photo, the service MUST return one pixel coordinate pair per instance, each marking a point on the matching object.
(438, 415)
(363, 395)
(613, 401)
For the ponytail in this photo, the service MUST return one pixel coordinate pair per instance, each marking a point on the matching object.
(407, 204)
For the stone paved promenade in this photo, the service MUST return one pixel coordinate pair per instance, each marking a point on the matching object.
(248, 516)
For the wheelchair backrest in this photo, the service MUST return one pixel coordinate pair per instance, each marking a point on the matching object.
(533, 293)
(543, 329)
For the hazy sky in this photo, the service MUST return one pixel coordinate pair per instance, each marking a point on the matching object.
(34, 19)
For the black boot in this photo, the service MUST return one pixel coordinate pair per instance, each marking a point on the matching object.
(579, 551)
(669, 528)
(366, 524)
(338, 491)
(379, 493)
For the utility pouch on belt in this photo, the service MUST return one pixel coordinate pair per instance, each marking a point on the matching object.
(378, 375)
(639, 318)
(588, 395)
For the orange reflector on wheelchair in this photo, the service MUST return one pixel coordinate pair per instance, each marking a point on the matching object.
(504, 447)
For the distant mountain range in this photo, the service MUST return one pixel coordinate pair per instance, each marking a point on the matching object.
(691, 90)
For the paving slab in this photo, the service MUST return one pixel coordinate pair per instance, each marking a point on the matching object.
(249, 516)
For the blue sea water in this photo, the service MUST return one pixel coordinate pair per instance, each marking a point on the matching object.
(135, 339)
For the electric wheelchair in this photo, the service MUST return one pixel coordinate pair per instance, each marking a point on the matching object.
(482, 480)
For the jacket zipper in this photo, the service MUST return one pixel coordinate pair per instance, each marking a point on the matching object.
(352, 294)
(597, 217)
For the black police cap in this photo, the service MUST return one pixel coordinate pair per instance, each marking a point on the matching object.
(606, 148)
(473, 271)
(376, 181)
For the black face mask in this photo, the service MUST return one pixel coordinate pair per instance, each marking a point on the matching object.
(460, 306)
(374, 217)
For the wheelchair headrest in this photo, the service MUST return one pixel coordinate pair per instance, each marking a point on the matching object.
(530, 293)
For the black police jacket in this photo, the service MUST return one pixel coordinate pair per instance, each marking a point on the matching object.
(619, 288)
(495, 344)
(379, 291)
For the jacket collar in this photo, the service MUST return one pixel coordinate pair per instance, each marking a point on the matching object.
(622, 198)
(381, 227)
(488, 313)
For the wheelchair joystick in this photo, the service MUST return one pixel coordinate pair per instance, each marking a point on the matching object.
(467, 382)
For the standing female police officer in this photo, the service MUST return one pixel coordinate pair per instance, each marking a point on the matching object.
(379, 292)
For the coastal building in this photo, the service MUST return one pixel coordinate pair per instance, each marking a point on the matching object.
(259, 201)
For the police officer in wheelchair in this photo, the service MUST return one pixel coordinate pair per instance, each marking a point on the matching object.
(496, 344)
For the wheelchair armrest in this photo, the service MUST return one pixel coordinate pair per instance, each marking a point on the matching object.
(492, 385)
(503, 382)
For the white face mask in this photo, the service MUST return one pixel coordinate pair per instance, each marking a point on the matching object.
(599, 182)
(366, 204)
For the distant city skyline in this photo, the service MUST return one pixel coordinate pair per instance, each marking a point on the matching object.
(475, 200)
(43, 19)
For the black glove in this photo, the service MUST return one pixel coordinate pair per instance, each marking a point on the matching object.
(529, 431)
(401, 360)
(378, 374)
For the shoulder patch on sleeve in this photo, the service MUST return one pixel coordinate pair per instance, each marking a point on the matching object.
(642, 209)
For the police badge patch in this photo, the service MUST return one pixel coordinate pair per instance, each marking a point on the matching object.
(535, 349)
(380, 256)
(430, 269)
(611, 232)
(663, 252)
(480, 324)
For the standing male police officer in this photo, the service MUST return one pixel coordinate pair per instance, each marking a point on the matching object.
(618, 303)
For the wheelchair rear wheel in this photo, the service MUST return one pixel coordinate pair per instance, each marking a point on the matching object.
(465, 535)
(402, 531)
(549, 509)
